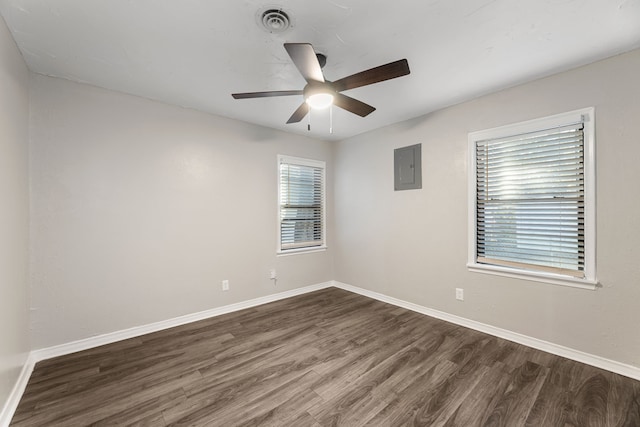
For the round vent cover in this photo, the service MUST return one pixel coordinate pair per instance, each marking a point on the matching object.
(275, 20)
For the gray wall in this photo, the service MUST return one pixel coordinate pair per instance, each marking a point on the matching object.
(140, 209)
(14, 212)
(412, 244)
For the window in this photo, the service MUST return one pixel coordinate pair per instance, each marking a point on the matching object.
(301, 204)
(532, 200)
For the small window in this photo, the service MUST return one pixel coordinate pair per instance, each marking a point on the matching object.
(301, 204)
(532, 200)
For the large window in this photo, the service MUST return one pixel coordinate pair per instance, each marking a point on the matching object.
(532, 200)
(301, 200)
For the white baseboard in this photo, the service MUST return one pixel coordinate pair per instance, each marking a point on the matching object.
(87, 343)
(559, 350)
(11, 404)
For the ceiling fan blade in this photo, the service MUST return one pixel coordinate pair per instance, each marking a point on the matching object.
(304, 57)
(299, 114)
(352, 105)
(374, 75)
(266, 94)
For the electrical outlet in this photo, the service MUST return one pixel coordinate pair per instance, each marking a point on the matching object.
(272, 274)
(460, 294)
(225, 285)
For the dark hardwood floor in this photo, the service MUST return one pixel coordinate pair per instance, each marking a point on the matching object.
(328, 358)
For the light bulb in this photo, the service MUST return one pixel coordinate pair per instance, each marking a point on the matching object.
(320, 100)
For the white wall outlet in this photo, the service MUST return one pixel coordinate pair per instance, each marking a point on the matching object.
(272, 274)
(225, 285)
(460, 294)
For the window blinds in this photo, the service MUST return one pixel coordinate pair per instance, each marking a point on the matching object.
(530, 201)
(301, 206)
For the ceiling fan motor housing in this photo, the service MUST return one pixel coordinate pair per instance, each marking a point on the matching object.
(314, 88)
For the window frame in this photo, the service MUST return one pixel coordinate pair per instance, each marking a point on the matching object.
(587, 116)
(280, 251)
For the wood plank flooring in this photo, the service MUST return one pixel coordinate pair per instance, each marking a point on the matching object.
(328, 358)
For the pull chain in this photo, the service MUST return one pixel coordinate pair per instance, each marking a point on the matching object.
(331, 118)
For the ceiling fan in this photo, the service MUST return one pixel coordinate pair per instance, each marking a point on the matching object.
(320, 93)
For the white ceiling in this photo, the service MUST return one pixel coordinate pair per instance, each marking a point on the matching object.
(195, 53)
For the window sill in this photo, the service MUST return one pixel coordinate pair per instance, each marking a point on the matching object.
(288, 252)
(554, 279)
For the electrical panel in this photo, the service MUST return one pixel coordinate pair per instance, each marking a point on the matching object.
(407, 167)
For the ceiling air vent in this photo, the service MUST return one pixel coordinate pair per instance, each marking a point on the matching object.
(275, 20)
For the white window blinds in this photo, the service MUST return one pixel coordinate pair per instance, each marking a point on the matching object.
(301, 203)
(530, 200)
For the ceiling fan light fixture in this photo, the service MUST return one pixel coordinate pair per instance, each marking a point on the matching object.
(318, 96)
(320, 100)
